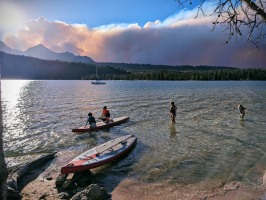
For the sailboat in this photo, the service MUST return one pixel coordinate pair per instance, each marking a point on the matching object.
(97, 82)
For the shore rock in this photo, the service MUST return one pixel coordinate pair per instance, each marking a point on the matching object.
(92, 192)
(60, 180)
(83, 179)
(13, 194)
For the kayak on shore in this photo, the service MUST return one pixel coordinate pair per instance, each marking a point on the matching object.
(100, 155)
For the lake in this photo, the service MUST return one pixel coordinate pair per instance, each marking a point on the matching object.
(209, 143)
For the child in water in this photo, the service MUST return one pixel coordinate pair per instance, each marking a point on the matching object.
(173, 112)
(91, 121)
(242, 111)
(105, 115)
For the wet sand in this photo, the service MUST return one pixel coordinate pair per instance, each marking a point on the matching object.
(42, 186)
(130, 189)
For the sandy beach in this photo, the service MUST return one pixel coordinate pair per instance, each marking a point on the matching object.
(40, 184)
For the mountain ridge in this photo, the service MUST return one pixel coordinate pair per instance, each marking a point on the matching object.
(42, 52)
(7, 49)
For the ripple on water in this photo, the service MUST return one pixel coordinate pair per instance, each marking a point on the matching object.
(207, 143)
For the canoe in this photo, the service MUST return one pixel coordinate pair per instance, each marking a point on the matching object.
(100, 125)
(101, 155)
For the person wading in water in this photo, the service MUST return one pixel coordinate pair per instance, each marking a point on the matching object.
(173, 112)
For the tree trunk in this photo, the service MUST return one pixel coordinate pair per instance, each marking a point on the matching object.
(3, 167)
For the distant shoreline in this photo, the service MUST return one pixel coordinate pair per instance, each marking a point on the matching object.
(29, 68)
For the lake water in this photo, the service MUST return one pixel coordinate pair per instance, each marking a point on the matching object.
(208, 143)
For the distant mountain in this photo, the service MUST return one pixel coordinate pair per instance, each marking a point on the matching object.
(41, 52)
(6, 49)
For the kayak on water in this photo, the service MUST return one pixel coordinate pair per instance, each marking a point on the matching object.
(100, 125)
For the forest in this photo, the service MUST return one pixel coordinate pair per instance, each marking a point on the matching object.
(221, 74)
(23, 67)
(149, 67)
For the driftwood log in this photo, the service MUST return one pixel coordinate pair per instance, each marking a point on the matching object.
(20, 166)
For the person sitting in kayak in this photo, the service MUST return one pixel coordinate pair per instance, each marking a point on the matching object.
(105, 115)
(91, 121)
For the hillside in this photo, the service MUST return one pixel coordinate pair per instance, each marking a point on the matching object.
(23, 67)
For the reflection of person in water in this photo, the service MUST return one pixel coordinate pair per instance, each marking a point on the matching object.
(172, 130)
(242, 111)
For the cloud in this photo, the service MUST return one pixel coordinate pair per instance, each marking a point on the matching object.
(185, 17)
(178, 40)
(10, 16)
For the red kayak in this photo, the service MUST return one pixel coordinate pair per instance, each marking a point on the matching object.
(100, 125)
(100, 155)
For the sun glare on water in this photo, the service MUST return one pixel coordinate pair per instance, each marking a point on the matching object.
(11, 97)
(11, 90)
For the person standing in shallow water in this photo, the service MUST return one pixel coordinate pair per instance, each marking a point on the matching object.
(91, 121)
(242, 111)
(173, 112)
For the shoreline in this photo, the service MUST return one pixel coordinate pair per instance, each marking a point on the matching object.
(40, 184)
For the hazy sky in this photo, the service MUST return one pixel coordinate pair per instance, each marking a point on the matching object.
(139, 31)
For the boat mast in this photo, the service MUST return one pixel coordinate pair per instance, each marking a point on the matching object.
(96, 72)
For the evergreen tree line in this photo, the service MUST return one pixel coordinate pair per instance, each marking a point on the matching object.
(23, 67)
(148, 67)
(225, 74)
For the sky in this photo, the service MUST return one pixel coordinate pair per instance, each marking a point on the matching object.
(125, 31)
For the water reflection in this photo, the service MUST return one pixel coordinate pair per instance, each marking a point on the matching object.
(11, 90)
(242, 123)
(12, 102)
(172, 130)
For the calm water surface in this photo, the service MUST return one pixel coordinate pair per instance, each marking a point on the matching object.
(209, 143)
